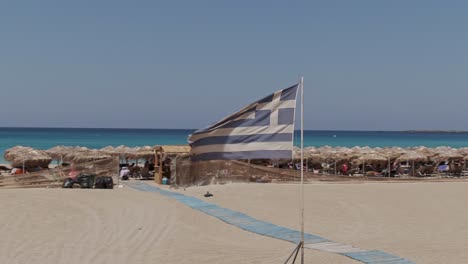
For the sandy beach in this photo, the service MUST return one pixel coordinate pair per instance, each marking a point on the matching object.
(424, 222)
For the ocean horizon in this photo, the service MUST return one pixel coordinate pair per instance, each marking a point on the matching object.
(45, 138)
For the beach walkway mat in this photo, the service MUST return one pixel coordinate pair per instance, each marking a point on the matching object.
(264, 228)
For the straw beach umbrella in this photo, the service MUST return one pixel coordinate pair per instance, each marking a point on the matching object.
(145, 152)
(27, 157)
(448, 154)
(464, 162)
(108, 150)
(119, 151)
(370, 157)
(392, 153)
(59, 152)
(89, 155)
(124, 152)
(74, 152)
(309, 153)
(413, 156)
(451, 155)
(428, 152)
(327, 153)
(463, 151)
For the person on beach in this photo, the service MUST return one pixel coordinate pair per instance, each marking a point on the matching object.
(73, 173)
(145, 172)
(344, 169)
(131, 169)
(124, 173)
(151, 165)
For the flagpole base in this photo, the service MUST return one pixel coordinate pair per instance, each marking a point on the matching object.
(295, 253)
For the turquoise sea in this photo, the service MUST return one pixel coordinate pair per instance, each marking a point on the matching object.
(44, 138)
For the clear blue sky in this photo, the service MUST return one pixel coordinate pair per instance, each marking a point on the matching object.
(368, 65)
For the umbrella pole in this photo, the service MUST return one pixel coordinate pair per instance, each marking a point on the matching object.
(118, 172)
(23, 167)
(389, 167)
(363, 168)
(175, 169)
(335, 167)
(413, 168)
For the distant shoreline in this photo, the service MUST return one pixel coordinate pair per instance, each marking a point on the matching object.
(435, 131)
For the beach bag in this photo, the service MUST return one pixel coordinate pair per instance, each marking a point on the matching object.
(100, 183)
(86, 181)
(109, 183)
(68, 183)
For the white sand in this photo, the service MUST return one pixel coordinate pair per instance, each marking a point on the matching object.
(425, 222)
(125, 226)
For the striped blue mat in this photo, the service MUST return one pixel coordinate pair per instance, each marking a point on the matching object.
(253, 225)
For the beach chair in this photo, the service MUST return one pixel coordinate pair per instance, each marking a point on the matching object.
(423, 171)
(420, 173)
(443, 170)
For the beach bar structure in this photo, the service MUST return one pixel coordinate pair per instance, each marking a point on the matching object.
(163, 152)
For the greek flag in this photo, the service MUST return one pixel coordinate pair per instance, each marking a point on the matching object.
(261, 130)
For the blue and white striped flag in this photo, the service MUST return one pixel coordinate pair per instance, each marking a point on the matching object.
(261, 130)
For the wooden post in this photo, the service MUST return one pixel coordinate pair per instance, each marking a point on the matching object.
(118, 171)
(175, 171)
(389, 167)
(155, 164)
(160, 168)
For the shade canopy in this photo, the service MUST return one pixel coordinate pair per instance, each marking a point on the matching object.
(413, 156)
(27, 156)
(173, 149)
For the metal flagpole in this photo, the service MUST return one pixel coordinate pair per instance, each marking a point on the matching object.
(302, 170)
(300, 246)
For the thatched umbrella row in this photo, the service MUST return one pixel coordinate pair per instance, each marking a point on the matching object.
(34, 157)
(84, 154)
(360, 154)
(383, 156)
